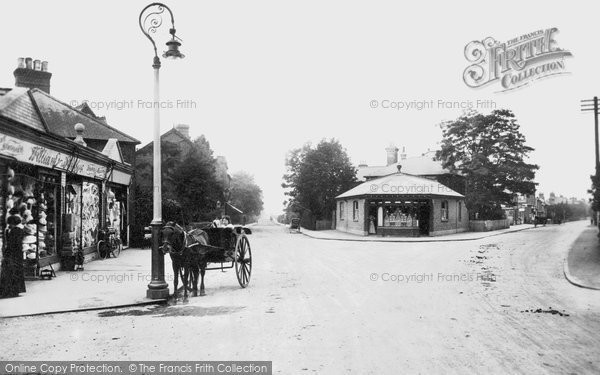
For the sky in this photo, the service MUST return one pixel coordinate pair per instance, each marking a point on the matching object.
(263, 77)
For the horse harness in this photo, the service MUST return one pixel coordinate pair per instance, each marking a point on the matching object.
(187, 241)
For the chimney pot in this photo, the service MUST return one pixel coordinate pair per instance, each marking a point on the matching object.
(403, 154)
(33, 74)
(21, 62)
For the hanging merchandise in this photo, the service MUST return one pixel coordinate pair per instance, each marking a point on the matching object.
(90, 214)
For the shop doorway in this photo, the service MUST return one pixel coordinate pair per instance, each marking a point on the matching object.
(424, 213)
(372, 218)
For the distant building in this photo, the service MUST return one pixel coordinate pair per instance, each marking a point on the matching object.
(181, 144)
(406, 197)
(542, 198)
(523, 210)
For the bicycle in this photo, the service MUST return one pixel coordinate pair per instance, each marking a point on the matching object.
(109, 243)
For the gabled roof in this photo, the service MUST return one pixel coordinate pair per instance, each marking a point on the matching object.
(112, 150)
(60, 118)
(172, 131)
(85, 108)
(424, 165)
(400, 184)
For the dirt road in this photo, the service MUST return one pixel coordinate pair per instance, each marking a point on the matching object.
(499, 305)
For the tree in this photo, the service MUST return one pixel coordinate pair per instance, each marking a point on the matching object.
(595, 192)
(315, 176)
(562, 212)
(490, 151)
(246, 194)
(195, 184)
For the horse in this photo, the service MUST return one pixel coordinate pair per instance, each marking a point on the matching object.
(186, 255)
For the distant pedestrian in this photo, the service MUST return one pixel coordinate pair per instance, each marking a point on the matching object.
(12, 278)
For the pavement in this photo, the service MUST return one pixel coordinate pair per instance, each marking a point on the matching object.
(108, 283)
(582, 264)
(103, 284)
(465, 236)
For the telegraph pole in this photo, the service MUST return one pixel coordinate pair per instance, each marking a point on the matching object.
(592, 105)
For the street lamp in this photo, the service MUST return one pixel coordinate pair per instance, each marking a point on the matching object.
(150, 20)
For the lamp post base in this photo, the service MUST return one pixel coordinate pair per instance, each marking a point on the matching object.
(157, 293)
(158, 287)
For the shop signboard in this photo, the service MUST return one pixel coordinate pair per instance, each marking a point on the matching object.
(31, 153)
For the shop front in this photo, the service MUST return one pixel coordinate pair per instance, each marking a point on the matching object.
(401, 216)
(401, 205)
(64, 192)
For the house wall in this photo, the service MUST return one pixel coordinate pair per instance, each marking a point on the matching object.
(144, 158)
(346, 222)
(453, 224)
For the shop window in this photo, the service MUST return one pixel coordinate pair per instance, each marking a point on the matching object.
(444, 210)
(341, 210)
(400, 214)
(47, 207)
(116, 208)
(34, 196)
(355, 211)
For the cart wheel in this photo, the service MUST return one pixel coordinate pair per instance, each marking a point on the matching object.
(117, 249)
(243, 260)
(102, 249)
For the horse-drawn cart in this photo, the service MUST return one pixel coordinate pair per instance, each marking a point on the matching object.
(540, 220)
(295, 225)
(191, 252)
(230, 248)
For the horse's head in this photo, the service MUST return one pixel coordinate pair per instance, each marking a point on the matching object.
(172, 239)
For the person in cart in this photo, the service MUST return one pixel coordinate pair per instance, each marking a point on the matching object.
(226, 222)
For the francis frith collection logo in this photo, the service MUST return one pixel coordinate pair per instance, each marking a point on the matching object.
(514, 63)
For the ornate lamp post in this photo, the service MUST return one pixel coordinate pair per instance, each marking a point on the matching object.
(150, 20)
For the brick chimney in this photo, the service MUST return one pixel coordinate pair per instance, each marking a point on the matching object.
(32, 74)
(392, 154)
(183, 129)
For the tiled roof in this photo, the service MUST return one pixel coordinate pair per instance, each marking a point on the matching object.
(424, 165)
(61, 119)
(400, 184)
(20, 104)
(16, 104)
